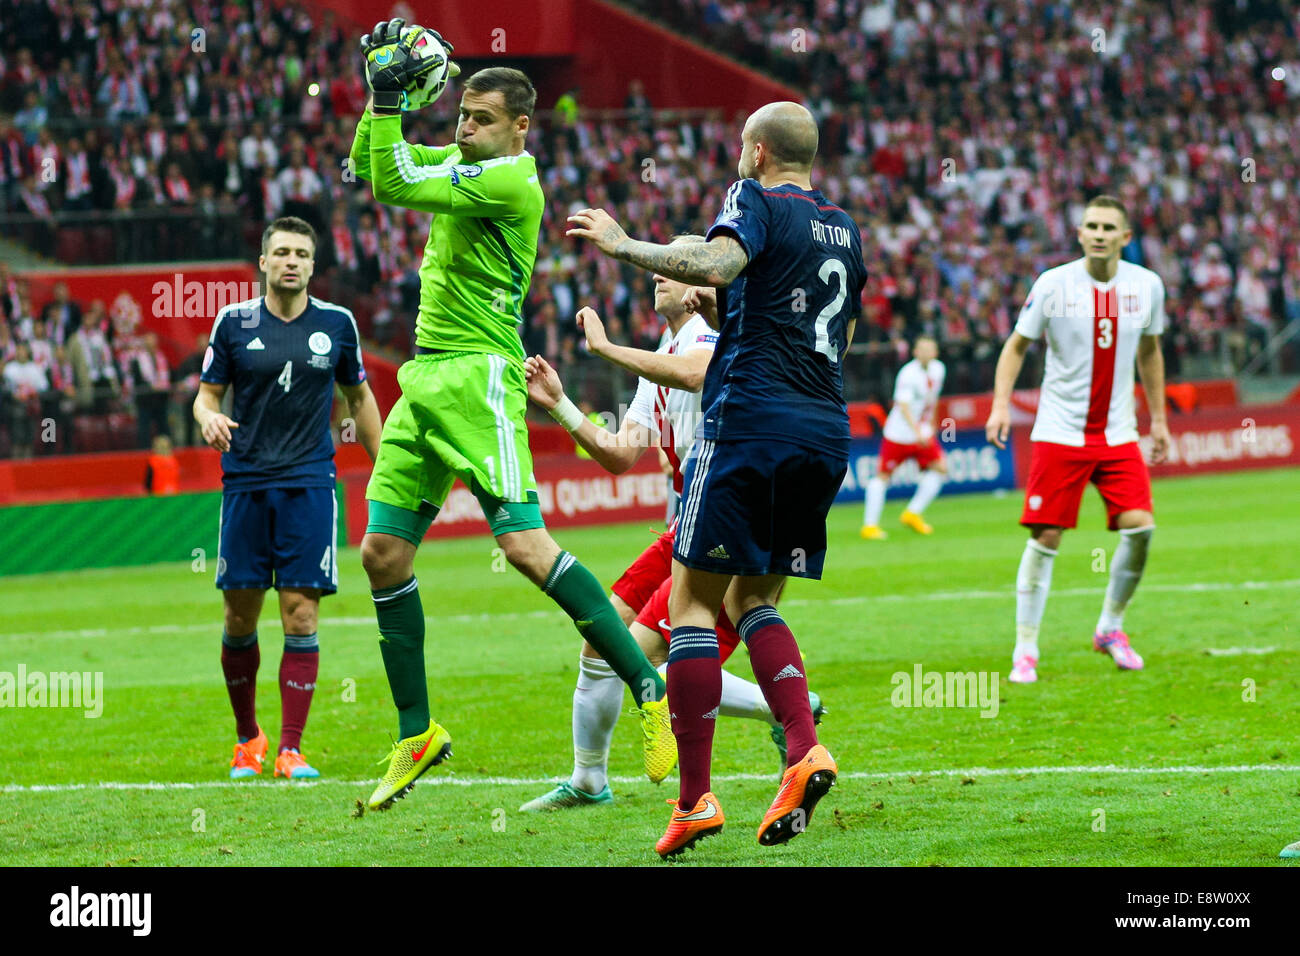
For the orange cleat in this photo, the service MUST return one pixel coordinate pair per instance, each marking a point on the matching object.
(687, 829)
(802, 786)
(293, 765)
(248, 757)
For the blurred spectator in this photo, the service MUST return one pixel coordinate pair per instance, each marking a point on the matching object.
(144, 371)
(24, 383)
(77, 193)
(92, 361)
(32, 118)
(299, 190)
(185, 388)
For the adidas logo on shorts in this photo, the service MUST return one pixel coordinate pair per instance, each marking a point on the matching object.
(713, 714)
(788, 671)
(719, 552)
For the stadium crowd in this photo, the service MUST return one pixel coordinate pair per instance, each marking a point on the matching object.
(964, 137)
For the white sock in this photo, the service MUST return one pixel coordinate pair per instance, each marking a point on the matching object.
(876, 488)
(927, 489)
(597, 699)
(740, 698)
(1033, 581)
(1125, 573)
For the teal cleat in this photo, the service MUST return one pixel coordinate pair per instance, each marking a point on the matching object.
(1291, 851)
(778, 732)
(293, 765)
(565, 796)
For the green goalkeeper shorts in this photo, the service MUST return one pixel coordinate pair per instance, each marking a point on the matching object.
(461, 415)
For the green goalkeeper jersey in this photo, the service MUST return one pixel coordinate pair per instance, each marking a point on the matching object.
(483, 240)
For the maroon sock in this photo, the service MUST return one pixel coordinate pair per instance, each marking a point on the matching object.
(694, 693)
(778, 669)
(239, 660)
(298, 669)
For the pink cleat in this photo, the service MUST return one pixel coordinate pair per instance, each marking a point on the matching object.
(1024, 670)
(1115, 643)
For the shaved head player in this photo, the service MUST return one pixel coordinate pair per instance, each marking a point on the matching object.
(770, 454)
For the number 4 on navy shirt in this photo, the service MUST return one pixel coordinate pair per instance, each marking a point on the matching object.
(283, 376)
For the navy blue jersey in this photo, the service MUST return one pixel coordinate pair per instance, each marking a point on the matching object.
(283, 376)
(776, 372)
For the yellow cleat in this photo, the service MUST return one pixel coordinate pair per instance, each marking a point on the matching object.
(410, 757)
(872, 532)
(915, 522)
(659, 746)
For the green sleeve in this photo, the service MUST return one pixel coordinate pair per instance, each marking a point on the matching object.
(429, 180)
(360, 153)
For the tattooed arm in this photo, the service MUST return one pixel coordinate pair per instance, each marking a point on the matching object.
(713, 263)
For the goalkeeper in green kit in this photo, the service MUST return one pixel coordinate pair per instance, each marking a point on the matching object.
(461, 414)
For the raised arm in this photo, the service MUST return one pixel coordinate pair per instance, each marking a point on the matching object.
(423, 178)
(685, 372)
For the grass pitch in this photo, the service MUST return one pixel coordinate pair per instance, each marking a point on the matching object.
(1193, 761)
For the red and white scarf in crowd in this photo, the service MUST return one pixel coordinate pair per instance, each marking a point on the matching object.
(78, 173)
(344, 248)
(178, 191)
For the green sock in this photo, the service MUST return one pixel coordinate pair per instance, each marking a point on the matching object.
(576, 589)
(401, 641)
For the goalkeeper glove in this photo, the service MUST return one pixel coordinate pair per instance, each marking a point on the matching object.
(390, 66)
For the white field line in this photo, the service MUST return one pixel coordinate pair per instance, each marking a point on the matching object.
(454, 781)
(1007, 594)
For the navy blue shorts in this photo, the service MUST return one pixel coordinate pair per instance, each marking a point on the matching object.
(290, 533)
(757, 507)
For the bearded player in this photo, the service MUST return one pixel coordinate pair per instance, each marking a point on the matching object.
(461, 413)
(1096, 314)
(910, 435)
(664, 414)
(282, 355)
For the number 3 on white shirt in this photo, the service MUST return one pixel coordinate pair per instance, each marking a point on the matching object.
(286, 377)
(1105, 334)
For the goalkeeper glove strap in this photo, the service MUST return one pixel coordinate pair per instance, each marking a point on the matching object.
(387, 102)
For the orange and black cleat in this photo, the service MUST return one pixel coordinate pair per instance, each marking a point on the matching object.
(687, 829)
(802, 786)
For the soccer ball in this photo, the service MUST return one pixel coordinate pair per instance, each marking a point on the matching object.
(433, 83)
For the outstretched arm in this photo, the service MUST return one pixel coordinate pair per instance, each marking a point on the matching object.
(616, 453)
(713, 263)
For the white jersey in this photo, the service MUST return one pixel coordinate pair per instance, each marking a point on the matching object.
(1092, 330)
(673, 413)
(918, 389)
